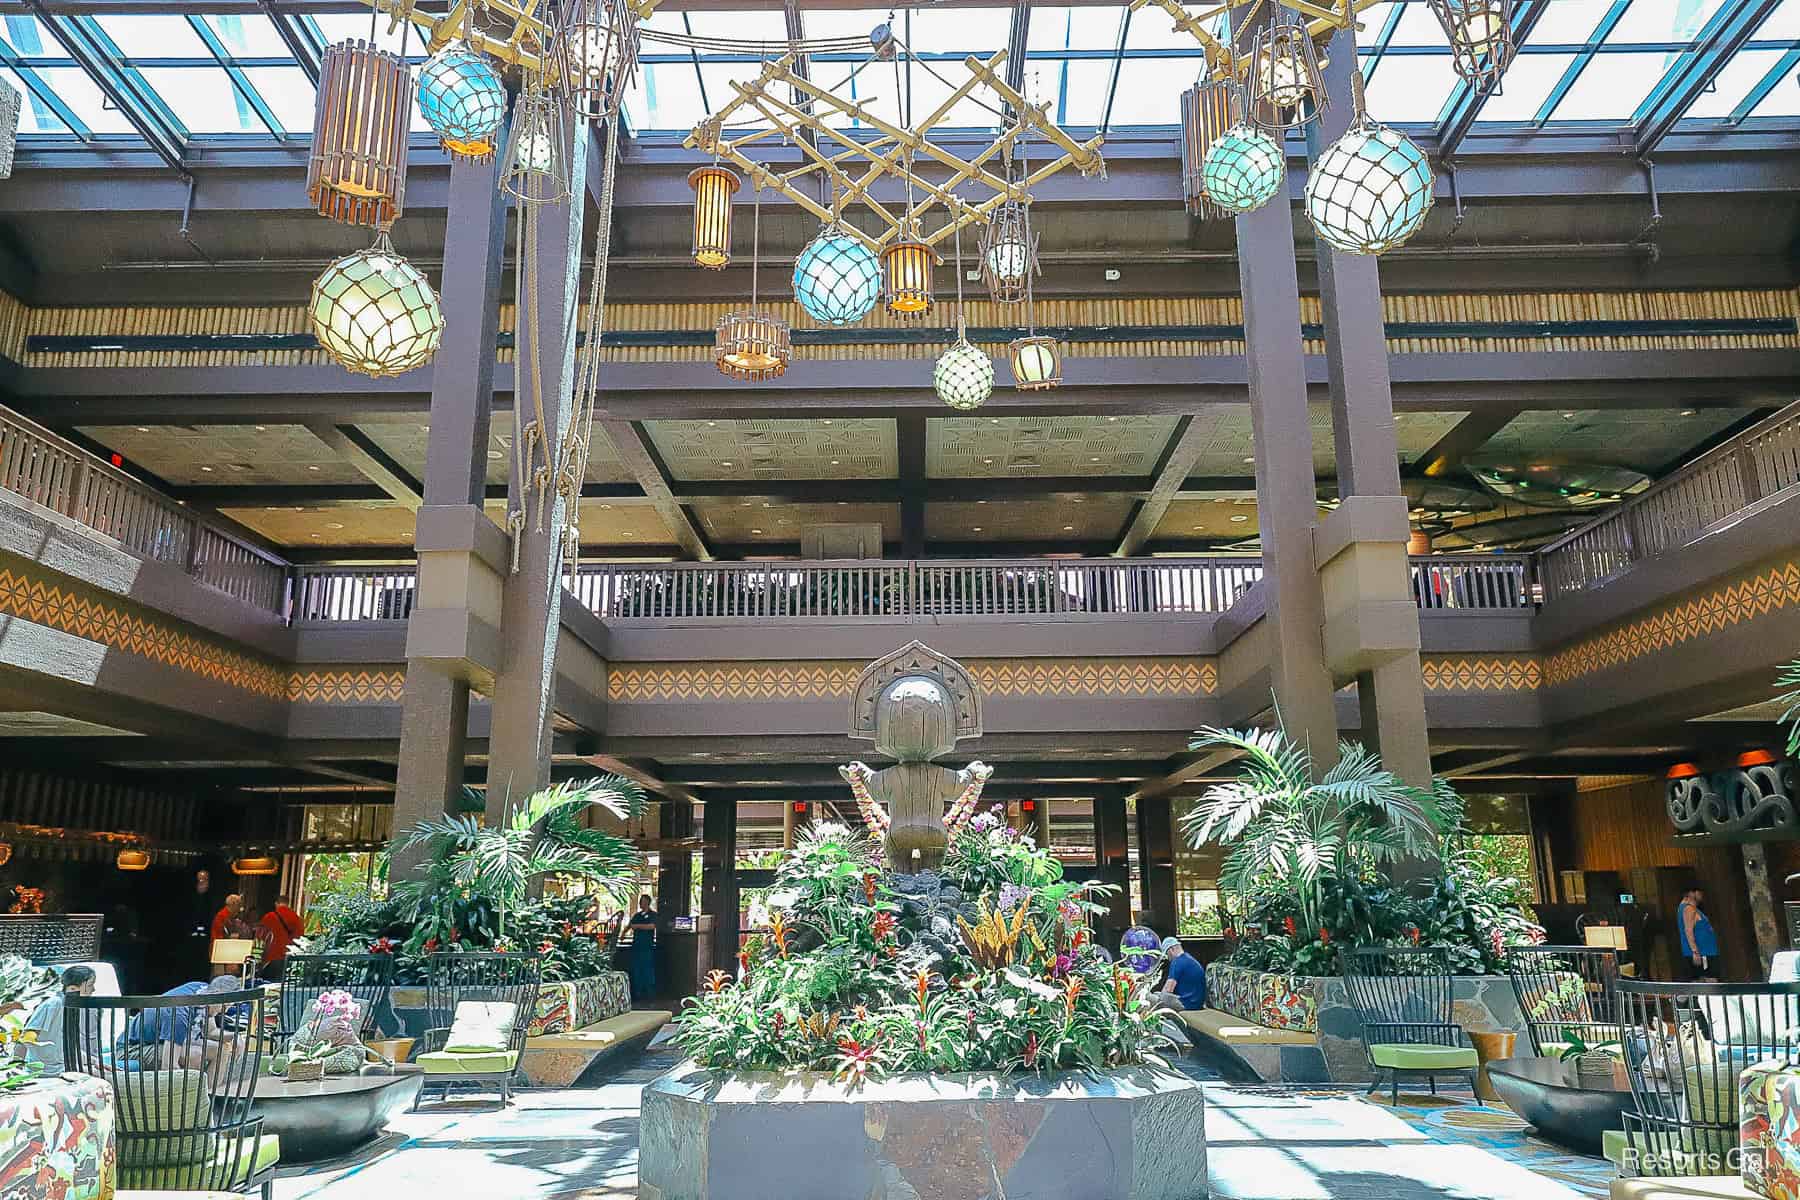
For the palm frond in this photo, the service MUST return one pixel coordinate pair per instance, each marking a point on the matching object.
(1790, 679)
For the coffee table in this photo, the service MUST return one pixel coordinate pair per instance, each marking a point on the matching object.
(328, 1117)
(1564, 1107)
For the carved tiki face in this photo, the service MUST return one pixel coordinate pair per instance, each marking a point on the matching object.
(915, 720)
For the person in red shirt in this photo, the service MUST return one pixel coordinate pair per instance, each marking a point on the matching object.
(226, 922)
(280, 926)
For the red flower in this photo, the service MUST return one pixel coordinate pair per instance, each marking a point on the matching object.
(1031, 1050)
(1324, 936)
(1412, 931)
(455, 935)
(1289, 924)
(869, 887)
(546, 946)
(743, 964)
(431, 945)
(381, 946)
(883, 926)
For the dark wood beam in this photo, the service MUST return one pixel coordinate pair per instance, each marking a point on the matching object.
(1187, 443)
(1465, 438)
(643, 776)
(371, 461)
(1186, 769)
(910, 431)
(640, 457)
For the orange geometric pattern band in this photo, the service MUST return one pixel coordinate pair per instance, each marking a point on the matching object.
(1168, 676)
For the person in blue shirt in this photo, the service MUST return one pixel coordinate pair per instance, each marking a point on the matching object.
(1185, 988)
(1699, 944)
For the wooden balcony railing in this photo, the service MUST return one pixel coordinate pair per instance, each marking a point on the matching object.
(59, 475)
(1751, 470)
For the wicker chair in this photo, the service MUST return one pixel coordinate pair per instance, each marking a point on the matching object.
(481, 978)
(1405, 998)
(1565, 990)
(1685, 1046)
(183, 1071)
(367, 977)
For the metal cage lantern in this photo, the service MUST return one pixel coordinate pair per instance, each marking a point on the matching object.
(1370, 190)
(964, 376)
(906, 277)
(374, 313)
(837, 278)
(356, 172)
(713, 189)
(536, 159)
(1206, 111)
(1285, 88)
(596, 55)
(1481, 37)
(1008, 253)
(752, 346)
(463, 99)
(1036, 363)
(1244, 169)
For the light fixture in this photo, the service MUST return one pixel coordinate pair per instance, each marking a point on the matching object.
(597, 52)
(1480, 33)
(258, 865)
(462, 98)
(837, 278)
(1036, 364)
(1285, 88)
(1244, 169)
(374, 313)
(132, 860)
(1206, 113)
(1008, 253)
(535, 164)
(964, 376)
(906, 277)
(1370, 190)
(356, 171)
(750, 344)
(713, 188)
(5, 853)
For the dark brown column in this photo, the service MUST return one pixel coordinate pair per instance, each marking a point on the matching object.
(1287, 508)
(675, 868)
(718, 880)
(1156, 863)
(434, 714)
(1112, 855)
(531, 611)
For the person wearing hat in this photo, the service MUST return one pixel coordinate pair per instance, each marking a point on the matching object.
(1185, 987)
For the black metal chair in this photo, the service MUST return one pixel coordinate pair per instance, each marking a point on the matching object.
(1405, 997)
(476, 978)
(1565, 990)
(367, 977)
(183, 1070)
(1686, 1044)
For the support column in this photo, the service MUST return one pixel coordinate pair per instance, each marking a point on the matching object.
(1287, 507)
(1763, 915)
(1156, 863)
(531, 613)
(718, 880)
(1372, 620)
(675, 868)
(1112, 857)
(434, 712)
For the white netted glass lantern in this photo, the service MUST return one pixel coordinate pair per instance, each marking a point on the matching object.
(374, 313)
(1244, 169)
(462, 98)
(1036, 363)
(837, 279)
(1370, 190)
(964, 376)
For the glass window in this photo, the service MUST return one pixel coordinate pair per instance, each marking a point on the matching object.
(31, 40)
(1746, 69)
(1783, 99)
(1662, 21)
(34, 115)
(874, 87)
(929, 91)
(73, 87)
(1374, 21)
(1529, 82)
(665, 96)
(1150, 90)
(718, 78)
(1074, 28)
(248, 35)
(737, 26)
(1081, 98)
(289, 94)
(977, 31)
(343, 27)
(1782, 25)
(154, 37)
(204, 100)
(1153, 29)
(1569, 23)
(1611, 87)
(858, 23)
(1410, 89)
(1418, 27)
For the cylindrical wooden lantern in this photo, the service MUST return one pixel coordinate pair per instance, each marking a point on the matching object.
(713, 189)
(906, 274)
(752, 346)
(1205, 114)
(356, 172)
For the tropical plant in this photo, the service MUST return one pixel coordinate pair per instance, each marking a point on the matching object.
(1790, 679)
(16, 1073)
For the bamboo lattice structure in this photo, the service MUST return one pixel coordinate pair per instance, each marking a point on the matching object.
(1322, 19)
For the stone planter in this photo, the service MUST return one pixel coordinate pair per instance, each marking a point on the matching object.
(1135, 1133)
(561, 1006)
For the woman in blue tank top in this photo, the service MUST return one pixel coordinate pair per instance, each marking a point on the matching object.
(1699, 944)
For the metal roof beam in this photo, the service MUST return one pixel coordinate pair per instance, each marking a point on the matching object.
(1466, 99)
(1698, 71)
(163, 137)
(298, 37)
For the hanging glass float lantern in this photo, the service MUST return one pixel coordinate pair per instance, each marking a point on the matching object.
(374, 313)
(463, 100)
(837, 279)
(1285, 88)
(1036, 363)
(964, 376)
(1481, 38)
(1244, 169)
(1371, 189)
(356, 172)
(906, 277)
(713, 188)
(596, 54)
(1206, 111)
(1008, 253)
(537, 150)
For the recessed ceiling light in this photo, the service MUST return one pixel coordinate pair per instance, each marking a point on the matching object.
(1198, 528)
(1568, 416)
(711, 424)
(1688, 412)
(628, 533)
(334, 524)
(208, 470)
(313, 467)
(834, 462)
(981, 502)
(1112, 418)
(605, 506)
(262, 429)
(1238, 518)
(756, 531)
(825, 421)
(974, 529)
(993, 420)
(495, 454)
(724, 462)
(1068, 529)
(146, 428)
(1250, 459)
(318, 537)
(1093, 459)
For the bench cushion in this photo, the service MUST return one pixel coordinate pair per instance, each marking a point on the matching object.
(448, 1062)
(1235, 1031)
(1648, 1187)
(213, 1175)
(602, 1035)
(1420, 1057)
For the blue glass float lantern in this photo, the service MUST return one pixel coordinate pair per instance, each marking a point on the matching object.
(1243, 169)
(463, 99)
(1370, 190)
(837, 279)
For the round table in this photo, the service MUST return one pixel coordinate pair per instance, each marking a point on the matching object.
(325, 1118)
(1564, 1107)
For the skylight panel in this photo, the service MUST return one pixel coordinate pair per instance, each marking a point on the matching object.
(288, 93)
(204, 100)
(248, 35)
(961, 31)
(73, 87)
(1418, 27)
(1149, 92)
(1529, 82)
(1074, 29)
(1568, 23)
(1080, 99)
(1153, 29)
(718, 78)
(1410, 89)
(154, 37)
(1746, 69)
(665, 96)
(35, 116)
(738, 26)
(1612, 86)
(340, 27)
(1654, 21)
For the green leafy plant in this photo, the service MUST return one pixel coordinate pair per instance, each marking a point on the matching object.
(16, 1073)
(1574, 1045)
(1790, 679)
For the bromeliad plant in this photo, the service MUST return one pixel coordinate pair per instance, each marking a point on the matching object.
(852, 977)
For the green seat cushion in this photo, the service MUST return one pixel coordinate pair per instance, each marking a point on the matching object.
(230, 1166)
(1422, 1057)
(448, 1062)
(163, 1118)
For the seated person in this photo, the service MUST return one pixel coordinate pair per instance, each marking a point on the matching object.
(46, 1021)
(193, 1037)
(1185, 988)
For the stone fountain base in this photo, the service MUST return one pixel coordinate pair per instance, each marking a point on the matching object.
(1133, 1133)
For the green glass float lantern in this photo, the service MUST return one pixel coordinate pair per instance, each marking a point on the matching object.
(1243, 169)
(463, 99)
(964, 376)
(837, 279)
(374, 313)
(1370, 190)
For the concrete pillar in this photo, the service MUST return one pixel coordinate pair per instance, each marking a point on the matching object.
(718, 879)
(675, 868)
(434, 714)
(531, 613)
(1156, 863)
(1112, 857)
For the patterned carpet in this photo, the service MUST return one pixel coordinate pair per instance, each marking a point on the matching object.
(1501, 1132)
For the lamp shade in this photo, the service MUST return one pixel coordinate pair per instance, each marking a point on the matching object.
(463, 99)
(1480, 33)
(1205, 116)
(837, 279)
(1036, 363)
(1285, 88)
(132, 860)
(1370, 190)
(1243, 170)
(1008, 253)
(752, 346)
(535, 167)
(356, 171)
(597, 49)
(713, 189)
(964, 375)
(906, 277)
(374, 313)
(255, 865)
